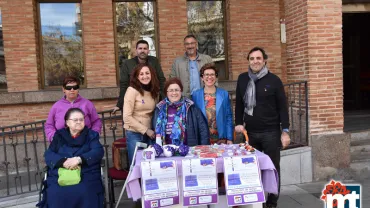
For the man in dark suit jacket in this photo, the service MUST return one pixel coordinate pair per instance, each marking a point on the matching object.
(261, 109)
(142, 51)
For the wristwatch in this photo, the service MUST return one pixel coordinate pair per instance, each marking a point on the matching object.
(286, 130)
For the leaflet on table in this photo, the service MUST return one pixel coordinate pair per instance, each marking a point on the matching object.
(243, 180)
(159, 182)
(199, 179)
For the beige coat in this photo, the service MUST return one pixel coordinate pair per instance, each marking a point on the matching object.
(180, 69)
(138, 110)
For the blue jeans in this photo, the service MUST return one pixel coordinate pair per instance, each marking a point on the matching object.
(132, 138)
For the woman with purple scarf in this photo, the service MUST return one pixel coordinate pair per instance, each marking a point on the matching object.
(177, 120)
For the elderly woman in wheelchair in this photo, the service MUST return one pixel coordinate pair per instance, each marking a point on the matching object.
(73, 160)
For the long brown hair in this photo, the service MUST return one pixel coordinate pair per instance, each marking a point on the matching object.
(136, 84)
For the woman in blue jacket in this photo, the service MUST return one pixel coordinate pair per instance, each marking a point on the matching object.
(75, 146)
(215, 105)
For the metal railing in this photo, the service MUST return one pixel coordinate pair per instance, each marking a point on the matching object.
(297, 98)
(23, 145)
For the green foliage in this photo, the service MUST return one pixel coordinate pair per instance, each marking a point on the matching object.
(133, 20)
(62, 56)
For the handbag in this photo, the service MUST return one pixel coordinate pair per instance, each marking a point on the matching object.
(69, 177)
(120, 159)
(239, 138)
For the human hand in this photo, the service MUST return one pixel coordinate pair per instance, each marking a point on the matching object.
(72, 163)
(285, 139)
(115, 109)
(150, 133)
(239, 128)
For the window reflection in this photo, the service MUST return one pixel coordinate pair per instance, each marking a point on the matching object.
(3, 84)
(134, 21)
(206, 22)
(61, 31)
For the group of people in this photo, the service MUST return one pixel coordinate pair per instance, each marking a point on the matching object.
(189, 108)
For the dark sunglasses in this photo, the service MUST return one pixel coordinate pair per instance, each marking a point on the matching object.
(75, 87)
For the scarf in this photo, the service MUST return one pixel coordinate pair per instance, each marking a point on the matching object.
(178, 128)
(146, 87)
(250, 94)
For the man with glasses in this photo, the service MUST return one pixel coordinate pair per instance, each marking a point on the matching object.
(187, 67)
(142, 51)
(261, 105)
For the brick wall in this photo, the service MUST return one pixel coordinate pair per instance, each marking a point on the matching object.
(17, 114)
(297, 40)
(313, 49)
(20, 45)
(314, 53)
(325, 66)
(98, 38)
(253, 23)
(283, 45)
(172, 28)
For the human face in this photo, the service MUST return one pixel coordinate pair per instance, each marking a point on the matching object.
(209, 77)
(142, 51)
(76, 122)
(144, 76)
(190, 45)
(174, 93)
(71, 94)
(256, 61)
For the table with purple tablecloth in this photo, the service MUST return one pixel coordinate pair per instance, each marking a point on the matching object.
(269, 173)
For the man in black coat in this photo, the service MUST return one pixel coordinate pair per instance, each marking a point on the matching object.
(142, 51)
(261, 106)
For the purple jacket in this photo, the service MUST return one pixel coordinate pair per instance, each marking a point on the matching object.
(55, 119)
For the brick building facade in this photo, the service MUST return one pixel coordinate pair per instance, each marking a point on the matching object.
(312, 52)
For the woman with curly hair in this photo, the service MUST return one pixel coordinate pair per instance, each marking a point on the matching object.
(139, 103)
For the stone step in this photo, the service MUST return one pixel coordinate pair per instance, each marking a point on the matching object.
(361, 167)
(22, 200)
(360, 157)
(360, 151)
(361, 135)
(360, 146)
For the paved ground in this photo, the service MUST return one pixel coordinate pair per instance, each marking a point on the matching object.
(292, 196)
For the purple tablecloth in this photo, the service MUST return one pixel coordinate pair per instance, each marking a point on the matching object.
(269, 173)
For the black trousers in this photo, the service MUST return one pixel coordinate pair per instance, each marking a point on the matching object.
(269, 143)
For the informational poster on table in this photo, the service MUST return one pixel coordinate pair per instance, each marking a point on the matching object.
(199, 181)
(159, 183)
(243, 180)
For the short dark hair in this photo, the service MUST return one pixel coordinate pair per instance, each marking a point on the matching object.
(208, 66)
(258, 49)
(70, 111)
(173, 81)
(190, 36)
(70, 79)
(142, 42)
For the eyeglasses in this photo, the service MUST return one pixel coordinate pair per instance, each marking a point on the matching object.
(75, 87)
(191, 43)
(257, 58)
(174, 90)
(77, 119)
(209, 75)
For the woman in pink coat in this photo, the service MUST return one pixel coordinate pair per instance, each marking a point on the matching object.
(71, 99)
